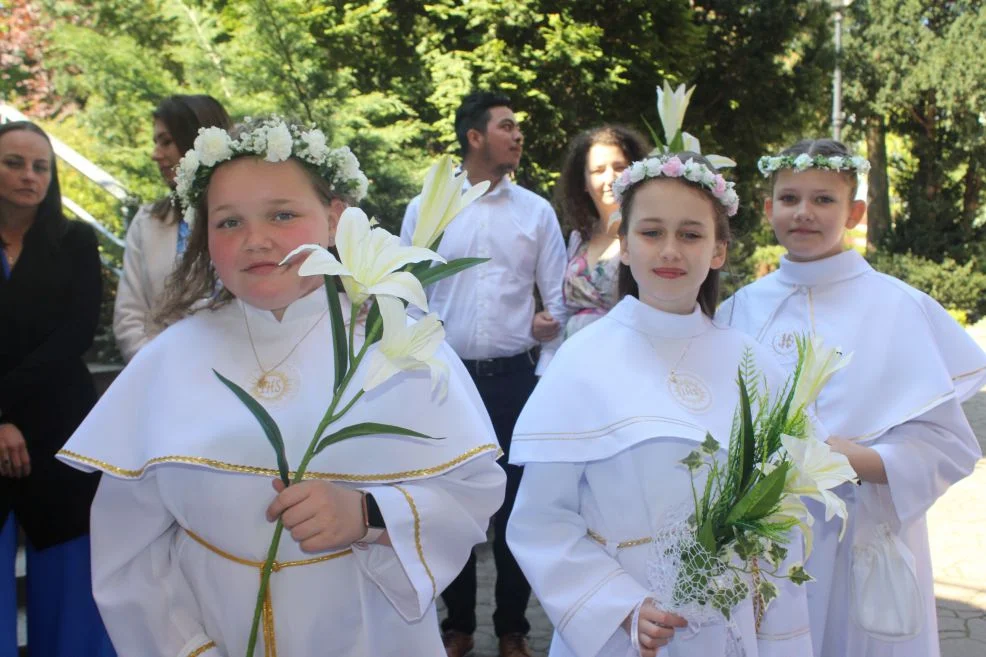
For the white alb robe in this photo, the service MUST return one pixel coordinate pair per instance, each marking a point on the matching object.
(182, 456)
(601, 441)
(912, 366)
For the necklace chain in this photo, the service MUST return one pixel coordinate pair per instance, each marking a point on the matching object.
(263, 372)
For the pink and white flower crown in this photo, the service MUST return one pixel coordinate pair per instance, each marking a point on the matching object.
(671, 166)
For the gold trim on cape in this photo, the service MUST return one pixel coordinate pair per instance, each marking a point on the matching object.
(201, 649)
(270, 640)
(417, 539)
(602, 431)
(271, 472)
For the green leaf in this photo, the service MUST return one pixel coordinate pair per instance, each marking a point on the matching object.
(340, 348)
(367, 429)
(747, 442)
(451, 268)
(747, 545)
(777, 553)
(761, 499)
(798, 575)
(693, 461)
(678, 143)
(372, 318)
(653, 135)
(710, 445)
(267, 423)
(767, 590)
(707, 535)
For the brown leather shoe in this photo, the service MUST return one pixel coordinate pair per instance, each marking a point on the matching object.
(457, 644)
(514, 645)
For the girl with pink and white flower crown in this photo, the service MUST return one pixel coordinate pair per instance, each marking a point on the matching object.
(625, 400)
(894, 411)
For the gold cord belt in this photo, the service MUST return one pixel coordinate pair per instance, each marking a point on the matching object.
(270, 644)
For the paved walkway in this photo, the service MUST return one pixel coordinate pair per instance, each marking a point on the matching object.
(957, 525)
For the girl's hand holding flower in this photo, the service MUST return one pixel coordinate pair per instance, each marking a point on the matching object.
(320, 515)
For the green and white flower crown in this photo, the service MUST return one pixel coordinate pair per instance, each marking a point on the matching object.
(769, 165)
(276, 141)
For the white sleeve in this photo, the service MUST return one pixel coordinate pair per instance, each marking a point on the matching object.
(550, 275)
(143, 597)
(585, 591)
(784, 630)
(925, 456)
(433, 525)
(133, 302)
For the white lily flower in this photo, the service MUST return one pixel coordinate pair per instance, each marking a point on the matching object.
(442, 199)
(404, 347)
(792, 508)
(671, 106)
(815, 471)
(369, 260)
(820, 364)
(691, 143)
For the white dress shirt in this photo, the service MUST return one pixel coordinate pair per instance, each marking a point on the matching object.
(488, 309)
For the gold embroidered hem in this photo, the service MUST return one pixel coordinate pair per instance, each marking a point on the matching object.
(623, 545)
(271, 472)
(201, 649)
(603, 431)
(417, 539)
(270, 641)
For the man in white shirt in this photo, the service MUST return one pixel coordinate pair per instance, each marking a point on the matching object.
(490, 322)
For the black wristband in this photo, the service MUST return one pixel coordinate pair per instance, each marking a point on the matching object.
(373, 516)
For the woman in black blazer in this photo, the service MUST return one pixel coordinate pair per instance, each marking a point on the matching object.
(50, 291)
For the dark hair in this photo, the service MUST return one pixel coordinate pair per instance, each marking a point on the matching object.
(825, 148)
(577, 210)
(50, 213)
(708, 293)
(183, 115)
(474, 114)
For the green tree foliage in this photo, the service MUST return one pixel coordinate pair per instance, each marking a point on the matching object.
(915, 67)
(385, 76)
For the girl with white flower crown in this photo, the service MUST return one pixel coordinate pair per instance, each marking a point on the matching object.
(603, 478)
(894, 411)
(183, 521)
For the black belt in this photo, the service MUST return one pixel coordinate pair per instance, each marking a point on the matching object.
(504, 365)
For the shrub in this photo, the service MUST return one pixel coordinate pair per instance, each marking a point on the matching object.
(959, 288)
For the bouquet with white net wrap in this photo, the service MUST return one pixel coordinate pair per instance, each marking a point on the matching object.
(705, 561)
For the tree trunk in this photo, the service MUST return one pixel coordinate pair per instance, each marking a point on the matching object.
(878, 212)
(973, 183)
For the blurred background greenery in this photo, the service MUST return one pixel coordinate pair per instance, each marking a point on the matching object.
(385, 77)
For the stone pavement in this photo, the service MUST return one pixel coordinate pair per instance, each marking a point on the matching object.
(957, 526)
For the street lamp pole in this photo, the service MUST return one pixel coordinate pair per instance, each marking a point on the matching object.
(838, 6)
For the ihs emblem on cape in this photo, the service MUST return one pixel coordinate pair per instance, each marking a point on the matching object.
(690, 391)
(274, 386)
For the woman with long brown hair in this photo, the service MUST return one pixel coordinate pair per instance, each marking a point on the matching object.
(50, 291)
(158, 235)
(585, 198)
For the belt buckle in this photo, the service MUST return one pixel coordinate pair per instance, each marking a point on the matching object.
(485, 367)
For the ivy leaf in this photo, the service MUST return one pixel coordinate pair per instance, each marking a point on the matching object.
(798, 575)
(693, 461)
(777, 553)
(710, 445)
(767, 590)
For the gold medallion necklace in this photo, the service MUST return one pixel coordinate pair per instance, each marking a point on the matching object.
(272, 384)
(686, 388)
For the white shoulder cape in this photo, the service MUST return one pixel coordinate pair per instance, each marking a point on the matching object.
(168, 407)
(607, 388)
(908, 355)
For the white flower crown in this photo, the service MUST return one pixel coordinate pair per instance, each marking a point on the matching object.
(671, 166)
(769, 165)
(276, 141)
